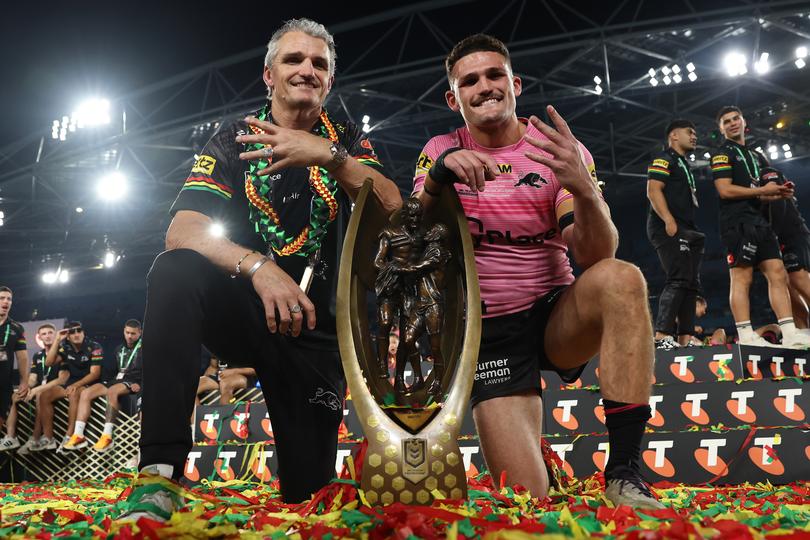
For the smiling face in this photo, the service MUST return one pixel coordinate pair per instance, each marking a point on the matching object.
(483, 89)
(732, 125)
(299, 76)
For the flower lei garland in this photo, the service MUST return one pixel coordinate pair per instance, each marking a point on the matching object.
(264, 217)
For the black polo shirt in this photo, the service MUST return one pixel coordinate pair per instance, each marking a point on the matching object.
(216, 188)
(12, 339)
(128, 363)
(78, 363)
(44, 373)
(680, 193)
(742, 165)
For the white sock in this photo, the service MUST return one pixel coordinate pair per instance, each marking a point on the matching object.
(108, 428)
(803, 331)
(787, 326)
(744, 331)
(79, 429)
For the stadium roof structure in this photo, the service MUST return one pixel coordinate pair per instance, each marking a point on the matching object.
(593, 61)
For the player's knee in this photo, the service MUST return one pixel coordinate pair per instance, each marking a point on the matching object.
(621, 277)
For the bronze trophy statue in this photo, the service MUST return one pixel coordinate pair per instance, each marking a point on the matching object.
(417, 271)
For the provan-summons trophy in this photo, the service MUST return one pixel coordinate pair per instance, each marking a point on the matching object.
(414, 271)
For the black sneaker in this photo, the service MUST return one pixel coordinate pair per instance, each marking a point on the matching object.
(624, 485)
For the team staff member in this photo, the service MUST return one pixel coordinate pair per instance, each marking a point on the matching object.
(40, 379)
(81, 358)
(747, 235)
(794, 238)
(672, 232)
(127, 381)
(281, 182)
(537, 315)
(12, 346)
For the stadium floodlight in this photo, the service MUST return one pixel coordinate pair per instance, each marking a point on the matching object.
(49, 278)
(736, 64)
(785, 147)
(92, 112)
(217, 229)
(109, 259)
(677, 78)
(665, 70)
(667, 80)
(800, 63)
(691, 157)
(707, 155)
(2, 218)
(79, 209)
(690, 67)
(366, 119)
(64, 276)
(597, 80)
(774, 155)
(772, 148)
(801, 52)
(654, 81)
(692, 76)
(651, 72)
(788, 154)
(366, 128)
(112, 187)
(598, 90)
(676, 69)
(762, 66)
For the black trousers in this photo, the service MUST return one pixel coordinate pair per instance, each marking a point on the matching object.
(680, 257)
(191, 302)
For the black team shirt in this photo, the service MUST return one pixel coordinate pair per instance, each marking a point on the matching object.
(44, 373)
(742, 165)
(78, 363)
(12, 339)
(673, 170)
(216, 188)
(128, 363)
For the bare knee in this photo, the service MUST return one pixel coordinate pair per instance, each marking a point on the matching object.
(619, 279)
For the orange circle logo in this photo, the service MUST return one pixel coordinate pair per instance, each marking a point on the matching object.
(756, 376)
(571, 423)
(227, 474)
(667, 469)
(600, 460)
(210, 432)
(797, 414)
(676, 369)
(719, 468)
(702, 418)
(599, 413)
(194, 475)
(757, 453)
(239, 429)
(260, 469)
(749, 416)
(267, 427)
(657, 419)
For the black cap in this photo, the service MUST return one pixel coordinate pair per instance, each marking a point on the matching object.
(770, 174)
(73, 324)
(677, 124)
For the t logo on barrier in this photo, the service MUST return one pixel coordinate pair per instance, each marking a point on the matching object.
(239, 424)
(466, 456)
(656, 418)
(680, 370)
(776, 366)
(267, 426)
(208, 427)
(656, 458)
(798, 366)
(707, 457)
(786, 404)
(223, 465)
(563, 415)
(561, 450)
(738, 406)
(259, 465)
(601, 456)
(720, 366)
(191, 472)
(692, 409)
(762, 454)
(753, 366)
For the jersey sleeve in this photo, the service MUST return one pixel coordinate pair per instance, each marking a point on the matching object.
(426, 158)
(360, 148)
(96, 354)
(721, 164)
(211, 182)
(20, 343)
(659, 169)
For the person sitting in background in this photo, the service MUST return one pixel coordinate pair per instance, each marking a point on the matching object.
(228, 380)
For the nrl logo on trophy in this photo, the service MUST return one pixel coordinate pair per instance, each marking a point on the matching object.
(411, 273)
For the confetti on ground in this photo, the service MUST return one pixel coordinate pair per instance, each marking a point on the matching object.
(248, 510)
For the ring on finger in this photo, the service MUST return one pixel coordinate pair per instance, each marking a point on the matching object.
(267, 151)
(295, 309)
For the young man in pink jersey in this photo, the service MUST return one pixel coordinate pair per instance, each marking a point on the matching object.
(522, 183)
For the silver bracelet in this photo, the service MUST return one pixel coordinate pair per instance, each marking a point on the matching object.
(256, 266)
(239, 264)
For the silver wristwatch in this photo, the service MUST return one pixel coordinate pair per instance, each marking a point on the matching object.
(339, 155)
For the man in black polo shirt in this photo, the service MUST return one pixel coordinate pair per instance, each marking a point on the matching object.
(281, 184)
(747, 235)
(126, 381)
(794, 238)
(81, 357)
(12, 346)
(672, 232)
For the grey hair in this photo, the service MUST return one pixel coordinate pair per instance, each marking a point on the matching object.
(309, 27)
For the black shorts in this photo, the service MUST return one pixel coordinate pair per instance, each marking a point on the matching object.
(796, 253)
(512, 352)
(749, 245)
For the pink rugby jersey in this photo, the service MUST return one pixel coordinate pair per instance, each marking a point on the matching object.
(519, 251)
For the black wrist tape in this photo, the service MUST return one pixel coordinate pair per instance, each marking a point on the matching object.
(440, 173)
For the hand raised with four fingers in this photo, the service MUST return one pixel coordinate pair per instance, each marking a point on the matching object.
(565, 159)
(289, 147)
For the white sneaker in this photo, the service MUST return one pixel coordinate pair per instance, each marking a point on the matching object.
(29, 446)
(667, 343)
(796, 341)
(45, 444)
(9, 443)
(757, 341)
